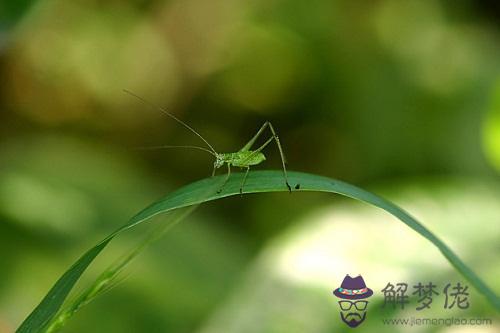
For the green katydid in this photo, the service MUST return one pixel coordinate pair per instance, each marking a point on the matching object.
(243, 158)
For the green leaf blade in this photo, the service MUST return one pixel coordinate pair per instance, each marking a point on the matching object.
(257, 182)
(54, 299)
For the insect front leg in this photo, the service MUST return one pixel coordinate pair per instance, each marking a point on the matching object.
(227, 178)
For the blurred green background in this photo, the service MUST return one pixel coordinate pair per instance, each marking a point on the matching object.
(400, 97)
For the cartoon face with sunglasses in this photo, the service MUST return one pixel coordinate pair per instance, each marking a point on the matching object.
(353, 291)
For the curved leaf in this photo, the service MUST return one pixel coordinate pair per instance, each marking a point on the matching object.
(257, 182)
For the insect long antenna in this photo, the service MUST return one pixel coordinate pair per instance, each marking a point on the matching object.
(171, 116)
(167, 147)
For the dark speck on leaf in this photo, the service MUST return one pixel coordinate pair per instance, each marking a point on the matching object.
(297, 186)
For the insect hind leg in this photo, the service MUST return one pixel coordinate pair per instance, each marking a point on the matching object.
(282, 155)
(278, 143)
(250, 143)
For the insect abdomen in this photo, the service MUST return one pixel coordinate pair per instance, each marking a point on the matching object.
(244, 158)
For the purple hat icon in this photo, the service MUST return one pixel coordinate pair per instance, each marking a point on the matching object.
(353, 288)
